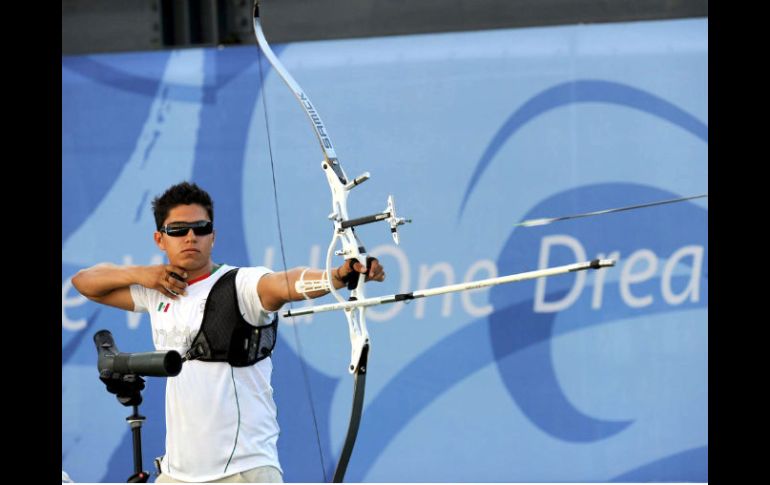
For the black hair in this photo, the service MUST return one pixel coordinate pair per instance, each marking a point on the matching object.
(184, 193)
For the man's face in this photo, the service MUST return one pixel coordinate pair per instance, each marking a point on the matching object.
(189, 251)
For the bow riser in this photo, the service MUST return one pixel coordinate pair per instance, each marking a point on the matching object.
(352, 247)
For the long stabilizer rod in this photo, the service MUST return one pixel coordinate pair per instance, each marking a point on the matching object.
(440, 290)
(548, 220)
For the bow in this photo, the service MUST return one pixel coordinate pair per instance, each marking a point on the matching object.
(352, 248)
(344, 234)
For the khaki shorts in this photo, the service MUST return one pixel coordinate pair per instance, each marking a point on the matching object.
(261, 474)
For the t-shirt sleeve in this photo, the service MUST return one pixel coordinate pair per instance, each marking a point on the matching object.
(248, 299)
(139, 295)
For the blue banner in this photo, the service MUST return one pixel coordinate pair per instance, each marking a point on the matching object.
(594, 376)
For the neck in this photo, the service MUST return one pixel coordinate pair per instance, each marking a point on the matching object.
(204, 270)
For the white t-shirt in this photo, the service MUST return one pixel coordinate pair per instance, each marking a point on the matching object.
(220, 420)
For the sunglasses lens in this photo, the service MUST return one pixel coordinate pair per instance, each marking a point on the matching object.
(200, 228)
(203, 230)
(177, 231)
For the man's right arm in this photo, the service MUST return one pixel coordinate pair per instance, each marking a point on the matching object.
(109, 284)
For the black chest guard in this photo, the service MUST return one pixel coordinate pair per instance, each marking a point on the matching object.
(224, 335)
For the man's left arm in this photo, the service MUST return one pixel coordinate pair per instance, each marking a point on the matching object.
(277, 289)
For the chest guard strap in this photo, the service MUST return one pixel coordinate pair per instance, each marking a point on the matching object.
(224, 335)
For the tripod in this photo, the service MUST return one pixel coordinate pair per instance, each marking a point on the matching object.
(121, 373)
(128, 391)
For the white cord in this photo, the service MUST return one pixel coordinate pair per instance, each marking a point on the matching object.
(299, 286)
(302, 286)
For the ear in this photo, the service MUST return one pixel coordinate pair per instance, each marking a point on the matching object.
(213, 237)
(159, 241)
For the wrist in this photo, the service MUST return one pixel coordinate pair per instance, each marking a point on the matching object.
(338, 281)
(143, 275)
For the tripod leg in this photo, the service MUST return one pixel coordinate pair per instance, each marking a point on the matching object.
(135, 421)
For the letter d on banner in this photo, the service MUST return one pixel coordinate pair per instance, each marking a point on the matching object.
(542, 306)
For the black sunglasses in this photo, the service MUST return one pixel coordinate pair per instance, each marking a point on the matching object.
(179, 229)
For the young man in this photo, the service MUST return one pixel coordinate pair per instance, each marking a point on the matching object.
(220, 418)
